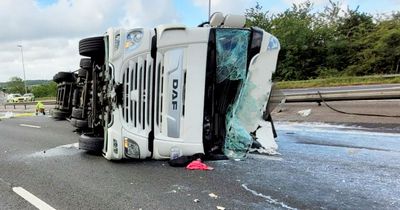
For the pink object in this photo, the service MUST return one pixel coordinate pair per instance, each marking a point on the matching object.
(198, 165)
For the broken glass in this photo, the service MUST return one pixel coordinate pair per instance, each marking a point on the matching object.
(241, 114)
(231, 58)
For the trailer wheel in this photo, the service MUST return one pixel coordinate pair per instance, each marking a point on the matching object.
(82, 73)
(91, 143)
(92, 47)
(79, 123)
(75, 98)
(64, 77)
(85, 63)
(77, 113)
(58, 114)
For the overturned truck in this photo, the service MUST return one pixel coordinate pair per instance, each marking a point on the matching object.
(177, 89)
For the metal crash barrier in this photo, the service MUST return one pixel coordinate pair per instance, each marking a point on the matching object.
(47, 102)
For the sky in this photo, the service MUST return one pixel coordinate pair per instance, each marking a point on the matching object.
(49, 30)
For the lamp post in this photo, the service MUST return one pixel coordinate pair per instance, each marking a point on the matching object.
(23, 66)
(209, 9)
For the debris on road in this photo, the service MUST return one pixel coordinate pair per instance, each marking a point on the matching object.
(212, 195)
(220, 208)
(196, 200)
(8, 115)
(183, 161)
(198, 165)
(304, 113)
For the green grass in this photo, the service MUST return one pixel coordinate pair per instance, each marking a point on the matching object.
(45, 98)
(339, 81)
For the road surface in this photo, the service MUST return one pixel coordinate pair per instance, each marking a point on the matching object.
(320, 167)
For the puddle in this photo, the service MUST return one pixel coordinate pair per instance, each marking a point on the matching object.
(292, 127)
(354, 137)
(63, 150)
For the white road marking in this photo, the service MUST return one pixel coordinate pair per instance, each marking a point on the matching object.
(29, 126)
(32, 199)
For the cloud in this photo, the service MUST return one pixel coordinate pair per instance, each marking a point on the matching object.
(43, 58)
(27, 20)
(146, 14)
(315, 2)
(50, 33)
(226, 6)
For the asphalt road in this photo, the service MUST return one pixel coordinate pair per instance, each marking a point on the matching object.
(320, 167)
(381, 87)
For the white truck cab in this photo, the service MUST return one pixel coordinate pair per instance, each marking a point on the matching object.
(176, 88)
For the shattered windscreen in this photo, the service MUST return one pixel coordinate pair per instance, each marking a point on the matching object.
(232, 45)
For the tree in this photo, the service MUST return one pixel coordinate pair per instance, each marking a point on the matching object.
(333, 42)
(256, 17)
(15, 85)
(45, 90)
(299, 42)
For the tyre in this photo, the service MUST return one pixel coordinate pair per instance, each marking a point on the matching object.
(85, 63)
(91, 143)
(60, 115)
(77, 113)
(64, 77)
(82, 124)
(82, 73)
(92, 47)
(75, 97)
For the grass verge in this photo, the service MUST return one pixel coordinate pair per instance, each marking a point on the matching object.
(339, 81)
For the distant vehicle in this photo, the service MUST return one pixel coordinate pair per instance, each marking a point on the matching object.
(29, 97)
(15, 98)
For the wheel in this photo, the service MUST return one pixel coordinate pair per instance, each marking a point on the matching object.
(82, 73)
(77, 113)
(64, 77)
(91, 143)
(58, 114)
(75, 97)
(79, 123)
(92, 47)
(85, 63)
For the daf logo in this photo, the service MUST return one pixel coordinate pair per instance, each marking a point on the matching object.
(175, 84)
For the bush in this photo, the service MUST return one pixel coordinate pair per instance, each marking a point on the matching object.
(45, 90)
(324, 72)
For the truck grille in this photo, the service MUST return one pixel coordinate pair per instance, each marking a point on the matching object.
(159, 93)
(138, 77)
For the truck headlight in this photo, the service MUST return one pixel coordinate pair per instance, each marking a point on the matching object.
(131, 148)
(273, 44)
(133, 40)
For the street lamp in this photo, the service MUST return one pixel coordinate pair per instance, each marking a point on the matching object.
(23, 65)
(209, 10)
